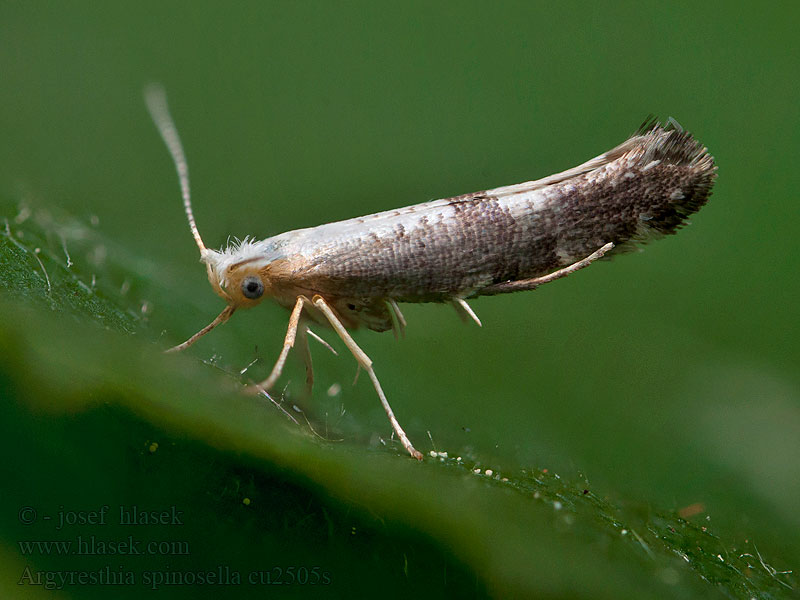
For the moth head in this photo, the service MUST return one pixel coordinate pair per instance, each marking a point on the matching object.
(242, 283)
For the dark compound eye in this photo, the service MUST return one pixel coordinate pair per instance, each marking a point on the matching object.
(252, 287)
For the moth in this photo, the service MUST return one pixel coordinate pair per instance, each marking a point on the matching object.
(355, 273)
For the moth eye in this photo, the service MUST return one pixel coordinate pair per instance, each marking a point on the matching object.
(252, 287)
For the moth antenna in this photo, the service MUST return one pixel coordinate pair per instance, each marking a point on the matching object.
(156, 100)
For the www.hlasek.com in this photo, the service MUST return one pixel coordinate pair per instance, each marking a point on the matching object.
(91, 545)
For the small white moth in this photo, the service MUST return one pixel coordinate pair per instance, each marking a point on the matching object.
(354, 273)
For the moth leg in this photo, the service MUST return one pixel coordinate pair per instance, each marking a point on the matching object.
(532, 284)
(465, 311)
(305, 354)
(399, 319)
(221, 318)
(291, 334)
(321, 341)
(365, 362)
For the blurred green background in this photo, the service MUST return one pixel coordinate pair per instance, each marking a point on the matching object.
(656, 381)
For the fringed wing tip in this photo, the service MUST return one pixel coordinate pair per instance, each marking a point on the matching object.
(652, 122)
(671, 143)
(680, 167)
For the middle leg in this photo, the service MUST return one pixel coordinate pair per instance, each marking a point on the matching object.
(365, 362)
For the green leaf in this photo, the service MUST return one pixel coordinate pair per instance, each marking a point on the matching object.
(98, 421)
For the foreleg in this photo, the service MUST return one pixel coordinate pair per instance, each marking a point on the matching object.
(288, 342)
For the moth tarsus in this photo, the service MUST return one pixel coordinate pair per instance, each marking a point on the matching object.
(353, 273)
